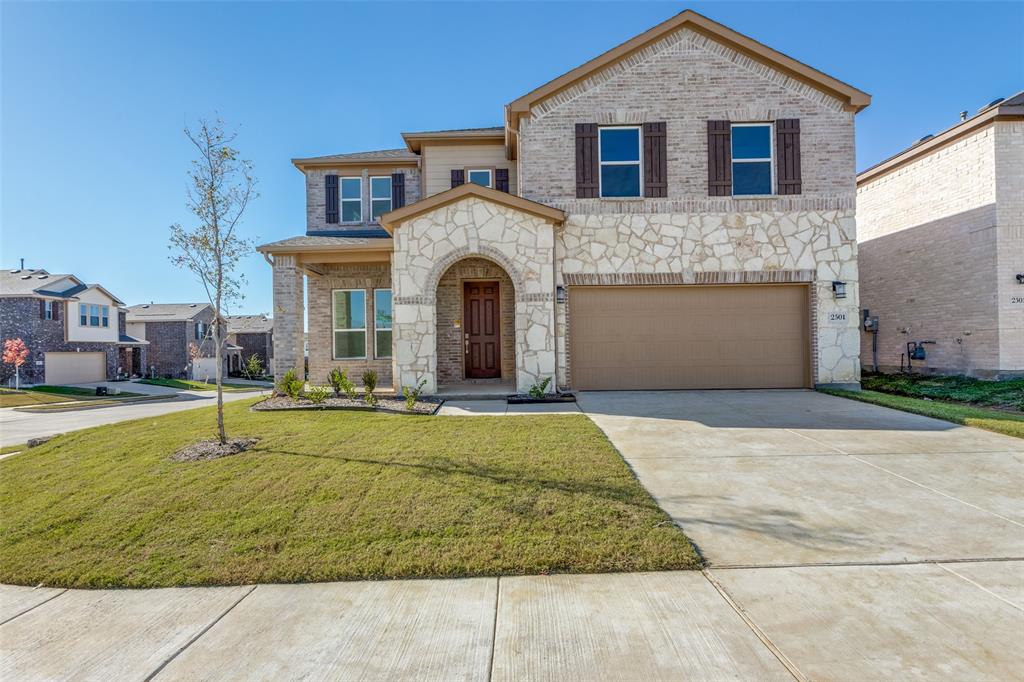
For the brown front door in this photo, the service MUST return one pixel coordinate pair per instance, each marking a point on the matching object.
(480, 330)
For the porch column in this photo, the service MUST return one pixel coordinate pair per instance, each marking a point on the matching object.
(289, 314)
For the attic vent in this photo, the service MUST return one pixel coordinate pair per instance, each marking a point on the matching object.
(15, 272)
(146, 306)
(26, 276)
(994, 102)
(192, 306)
(42, 276)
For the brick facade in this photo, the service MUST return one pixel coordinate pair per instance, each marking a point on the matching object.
(169, 342)
(941, 241)
(450, 353)
(321, 332)
(316, 209)
(254, 343)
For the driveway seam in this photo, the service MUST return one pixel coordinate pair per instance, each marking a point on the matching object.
(938, 492)
(825, 564)
(34, 606)
(494, 629)
(755, 628)
(198, 635)
(981, 587)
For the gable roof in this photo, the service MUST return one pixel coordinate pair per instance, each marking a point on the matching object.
(165, 312)
(470, 189)
(854, 99)
(414, 141)
(38, 282)
(399, 157)
(1011, 108)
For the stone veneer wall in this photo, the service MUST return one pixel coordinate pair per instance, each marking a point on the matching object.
(316, 197)
(321, 343)
(427, 245)
(450, 349)
(752, 247)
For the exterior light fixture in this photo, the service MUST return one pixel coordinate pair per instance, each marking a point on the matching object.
(560, 296)
(1020, 278)
(839, 289)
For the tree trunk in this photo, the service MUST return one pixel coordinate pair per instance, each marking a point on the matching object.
(220, 388)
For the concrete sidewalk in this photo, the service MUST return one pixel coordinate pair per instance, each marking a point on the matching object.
(956, 621)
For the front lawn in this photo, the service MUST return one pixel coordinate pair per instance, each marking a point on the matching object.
(991, 420)
(12, 398)
(190, 385)
(1008, 395)
(328, 496)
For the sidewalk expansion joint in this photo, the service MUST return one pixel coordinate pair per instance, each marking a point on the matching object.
(840, 564)
(34, 606)
(494, 628)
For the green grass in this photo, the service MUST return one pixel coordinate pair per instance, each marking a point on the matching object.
(40, 395)
(190, 385)
(12, 398)
(1001, 394)
(8, 449)
(328, 496)
(991, 420)
(78, 393)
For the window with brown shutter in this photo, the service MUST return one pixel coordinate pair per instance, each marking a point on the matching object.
(57, 305)
(458, 177)
(587, 161)
(331, 198)
(655, 161)
(397, 190)
(719, 159)
(501, 179)
(787, 161)
(42, 309)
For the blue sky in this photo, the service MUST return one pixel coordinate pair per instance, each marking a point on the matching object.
(94, 97)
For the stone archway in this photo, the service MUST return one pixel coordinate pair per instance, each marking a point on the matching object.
(483, 251)
(450, 306)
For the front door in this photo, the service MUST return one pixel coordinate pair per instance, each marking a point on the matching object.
(480, 329)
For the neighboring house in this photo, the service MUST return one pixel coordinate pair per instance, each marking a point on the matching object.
(941, 232)
(676, 213)
(254, 334)
(74, 331)
(172, 330)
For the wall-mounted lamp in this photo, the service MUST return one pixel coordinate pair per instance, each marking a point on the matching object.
(560, 295)
(839, 289)
(1020, 278)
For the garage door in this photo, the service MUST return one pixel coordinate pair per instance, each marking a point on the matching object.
(75, 368)
(740, 336)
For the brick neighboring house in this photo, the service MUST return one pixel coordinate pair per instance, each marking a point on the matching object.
(171, 330)
(941, 238)
(74, 331)
(254, 335)
(677, 212)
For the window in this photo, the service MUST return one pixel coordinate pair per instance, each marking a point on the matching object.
(481, 176)
(382, 322)
(619, 151)
(48, 310)
(200, 331)
(751, 159)
(351, 200)
(349, 324)
(380, 196)
(92, 315)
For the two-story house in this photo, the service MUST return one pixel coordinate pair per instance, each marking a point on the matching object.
(942, 249)
(74, 331)
(180, 340)
(676, 213)
(253, 335)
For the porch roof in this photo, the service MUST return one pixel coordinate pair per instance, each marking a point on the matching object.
(400, 215)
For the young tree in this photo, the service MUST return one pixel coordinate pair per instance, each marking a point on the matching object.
(221, 185)
(15, 353)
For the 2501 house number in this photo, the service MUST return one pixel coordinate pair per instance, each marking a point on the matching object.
(1017, 300)
(837, 317)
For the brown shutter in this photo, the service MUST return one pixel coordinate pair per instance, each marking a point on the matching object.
(655, 161)
(587, 162)
(501, 179)
(787, 161)
(42, 309)
(458, 177)
(331, 198)
(719, 159)
(397, 190)
(56, 310)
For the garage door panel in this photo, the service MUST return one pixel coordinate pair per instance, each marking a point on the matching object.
(689, 337)
(75, 368)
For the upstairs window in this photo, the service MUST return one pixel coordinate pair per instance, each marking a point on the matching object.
(380, 196)
(92, 315)
(200, 331)
(349, 309)
(351, 200)
(480, 176)
(619, 152)
(751, 159)
(48, 310)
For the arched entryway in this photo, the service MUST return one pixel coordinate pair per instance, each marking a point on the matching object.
(476, 315)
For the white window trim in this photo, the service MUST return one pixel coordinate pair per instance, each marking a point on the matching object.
(341, 200)
(389, 197)
(771, 158)
(639, 163)
(335, 328)
(48, 310)
(490, 176)
(376, 350)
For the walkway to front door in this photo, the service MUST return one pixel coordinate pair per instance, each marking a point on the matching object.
(482, 335)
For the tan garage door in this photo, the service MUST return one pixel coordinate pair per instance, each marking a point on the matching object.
(722, 336)
(75, 368)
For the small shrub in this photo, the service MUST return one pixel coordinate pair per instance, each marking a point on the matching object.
(318, 394)
(369, 380)
(540, 389)
(290, 385)
(340, 383)
(413, 394)
(371, 399)
(253, 368)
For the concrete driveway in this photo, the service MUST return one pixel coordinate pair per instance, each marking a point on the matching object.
(860, 541)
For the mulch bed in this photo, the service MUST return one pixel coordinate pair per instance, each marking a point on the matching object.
(385, 403)
(205, 450)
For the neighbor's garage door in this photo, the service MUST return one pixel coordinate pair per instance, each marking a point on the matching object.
(75, 368)
(722, 336)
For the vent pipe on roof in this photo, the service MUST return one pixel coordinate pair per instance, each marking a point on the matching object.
(22, 264)
(963, 115)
